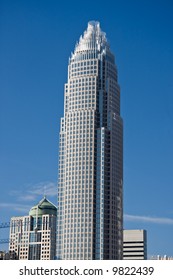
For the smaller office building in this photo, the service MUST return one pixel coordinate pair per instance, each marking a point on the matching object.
(33, 237)
(135, 244)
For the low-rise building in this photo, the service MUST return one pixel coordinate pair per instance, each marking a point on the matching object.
(159, 257)
(135, 244)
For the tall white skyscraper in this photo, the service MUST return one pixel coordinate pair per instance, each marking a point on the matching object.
(90, 195)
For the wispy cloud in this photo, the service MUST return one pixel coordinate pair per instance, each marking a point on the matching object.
(32, 192)
(16, 206)
(148, 219)
(25, 198)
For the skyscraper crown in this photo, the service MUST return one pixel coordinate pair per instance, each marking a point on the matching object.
(93, 39)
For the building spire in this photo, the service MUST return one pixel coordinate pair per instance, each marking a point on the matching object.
(44, 192)
(92, 39)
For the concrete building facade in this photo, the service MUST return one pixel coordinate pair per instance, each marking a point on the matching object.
(33, 237)
(135, 244)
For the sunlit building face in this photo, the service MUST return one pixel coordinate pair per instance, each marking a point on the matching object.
(90, 210)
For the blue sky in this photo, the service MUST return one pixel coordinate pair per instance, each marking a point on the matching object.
(36, 40)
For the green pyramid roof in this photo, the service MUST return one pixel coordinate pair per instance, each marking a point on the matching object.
(42, 208)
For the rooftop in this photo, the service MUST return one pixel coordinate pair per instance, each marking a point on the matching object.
(42, 208)
(93, 38)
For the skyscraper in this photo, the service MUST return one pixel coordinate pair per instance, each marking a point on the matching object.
(90, 210)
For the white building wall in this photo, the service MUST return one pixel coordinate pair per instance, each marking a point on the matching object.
(28, 243)
(134, 244)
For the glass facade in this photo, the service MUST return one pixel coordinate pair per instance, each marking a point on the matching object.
(89, 224)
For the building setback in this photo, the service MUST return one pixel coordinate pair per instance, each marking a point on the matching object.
(90, 196)
(33, 237)
(135, 244)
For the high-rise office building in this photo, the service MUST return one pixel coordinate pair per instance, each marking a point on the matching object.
(33, 237)
(90, 206)
(135, 244)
